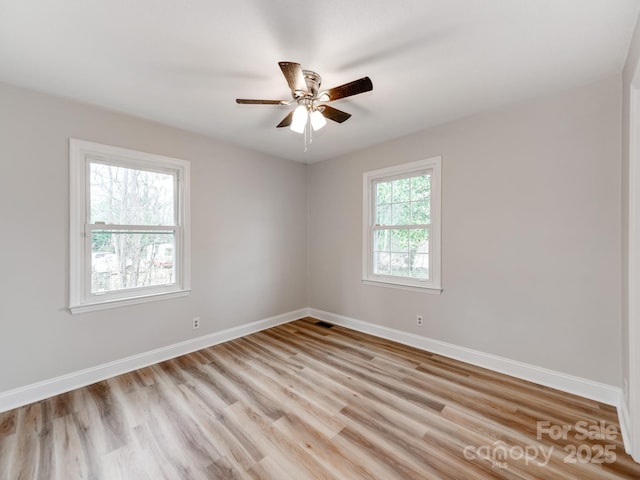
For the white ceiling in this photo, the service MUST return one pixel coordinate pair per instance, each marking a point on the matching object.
(183, 62)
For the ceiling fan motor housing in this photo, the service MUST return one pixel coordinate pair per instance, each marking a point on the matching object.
(313, 80)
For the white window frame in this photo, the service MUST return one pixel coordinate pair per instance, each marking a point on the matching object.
(81, 153)
(434, 168)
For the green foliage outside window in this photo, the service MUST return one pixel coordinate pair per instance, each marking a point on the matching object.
(403, 203)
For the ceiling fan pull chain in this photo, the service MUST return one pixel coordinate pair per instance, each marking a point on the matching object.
(306, 134)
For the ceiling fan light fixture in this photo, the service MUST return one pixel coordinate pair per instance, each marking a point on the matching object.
(317, 120)
(306, 93)
(300, 117)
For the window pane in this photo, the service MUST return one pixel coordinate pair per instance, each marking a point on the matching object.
(419, 240)
(399, 241)
(420, 213)
(404, 202)
(401, 214)
(383, 215)
(401, 190)
(402, 252)
(383, 193)
(125, 196)
(381, 263)
(420, 187)
(420, 266)
(382, 241)
(400, 217)
(400, 264)
(419, 249)
(121, 259)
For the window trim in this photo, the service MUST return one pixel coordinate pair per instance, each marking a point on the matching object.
(433, 285)
(81, 153)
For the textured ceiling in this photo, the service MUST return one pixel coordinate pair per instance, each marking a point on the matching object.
(183, 62)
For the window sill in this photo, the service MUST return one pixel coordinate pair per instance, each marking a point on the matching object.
(123, 302)
(401, 286)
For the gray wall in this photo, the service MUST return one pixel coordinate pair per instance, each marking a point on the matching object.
(531, 234)
(627, 75)
(249, 227)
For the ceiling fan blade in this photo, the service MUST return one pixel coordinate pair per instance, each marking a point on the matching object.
(248, 101)
(286, 121)
(334, 114)
(361, 85)
(295, 78)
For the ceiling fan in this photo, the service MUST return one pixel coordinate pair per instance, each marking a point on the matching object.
(305, 92)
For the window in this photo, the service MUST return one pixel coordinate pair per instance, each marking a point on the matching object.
(401, 232)
(129, 227)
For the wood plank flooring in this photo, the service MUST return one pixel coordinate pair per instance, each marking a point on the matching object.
(301, 401)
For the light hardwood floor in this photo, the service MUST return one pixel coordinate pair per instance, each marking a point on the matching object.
(301, 401)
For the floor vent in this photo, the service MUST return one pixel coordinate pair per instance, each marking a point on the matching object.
(324, 324)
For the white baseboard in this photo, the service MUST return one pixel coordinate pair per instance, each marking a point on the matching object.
(590, 389)
(568, 383)
(64, 383)
(625, 426)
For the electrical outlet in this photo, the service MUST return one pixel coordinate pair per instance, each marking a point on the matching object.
(419, 320)
(196, 322)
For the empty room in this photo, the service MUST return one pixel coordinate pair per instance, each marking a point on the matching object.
(320, 240)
